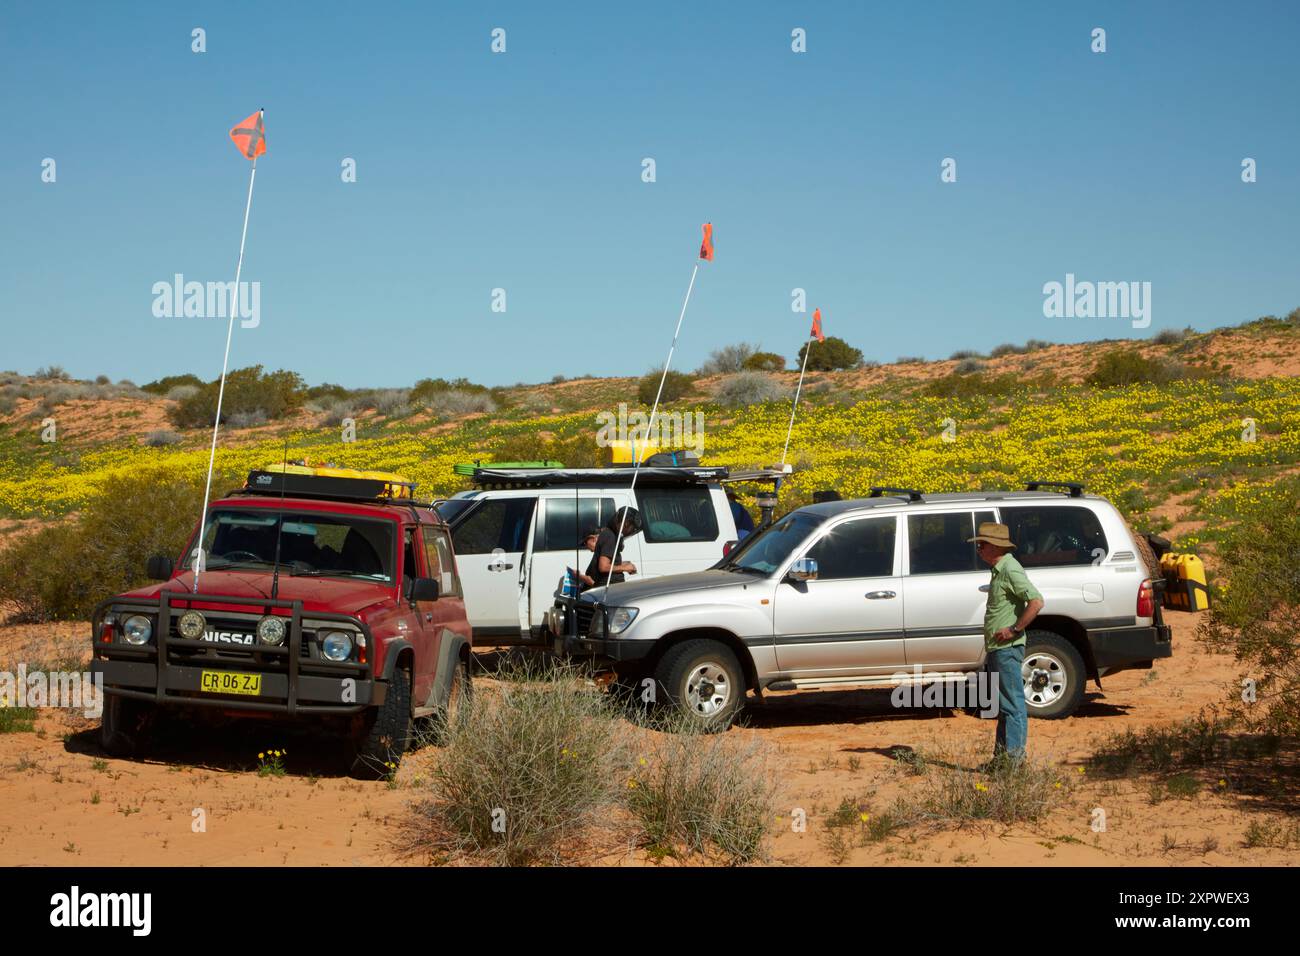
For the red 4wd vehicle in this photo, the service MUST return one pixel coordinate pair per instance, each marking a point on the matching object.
(330, 598)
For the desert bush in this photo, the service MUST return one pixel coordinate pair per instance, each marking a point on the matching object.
(970, 386)
(1037, 345)
(276, 394)
(1121, 368)
(962, 354)
(326, 390)
(705, 793)
(103, 380)
(455, 403)
(764, 362)
(749, 388)
(1007, 348)
(178, 393)
(161, 438)
(728, 359)
(968, 366)
(830, 355)
(676, 386)
(1256, 611)
(62, 571)
(392, 402)
(1011, 792)
(52, 373)
(911, 360)
(163, 386)
(335, 412)
(1172, 336)
(247, 419)
(426, 388)
(7, 404)
(545, 756)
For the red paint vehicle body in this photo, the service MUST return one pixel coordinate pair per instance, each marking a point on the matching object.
(334, 600)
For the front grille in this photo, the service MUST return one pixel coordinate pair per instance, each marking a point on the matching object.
(584, 613)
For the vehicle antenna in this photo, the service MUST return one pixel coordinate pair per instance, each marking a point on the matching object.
(279, 524)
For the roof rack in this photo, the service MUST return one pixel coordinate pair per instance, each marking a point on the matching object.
(329, 487)
(1074, 488)
(910, 493)
(619, 475)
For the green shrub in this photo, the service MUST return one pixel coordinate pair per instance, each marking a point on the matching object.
(764, 362)
(62, 571)
(1120, 368)
(426, 390)
(248, 390)
(326, 390)
(676, 386)
(829, 356)
(164, 385)
(970, 386)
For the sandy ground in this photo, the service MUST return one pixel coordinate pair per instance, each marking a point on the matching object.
(62, 801)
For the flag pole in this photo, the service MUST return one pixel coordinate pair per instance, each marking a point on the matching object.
(795, 404)
(199, 557)
(636, 459)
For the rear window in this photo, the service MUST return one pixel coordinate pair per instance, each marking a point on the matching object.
(678, 514)
(1055, 537)
(940, 544)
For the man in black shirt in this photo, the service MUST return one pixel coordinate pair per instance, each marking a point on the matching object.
(606, 559)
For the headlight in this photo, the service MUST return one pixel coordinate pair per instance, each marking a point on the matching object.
(137, 629)
(191, 625)
(336, 646)
(620, 618)
(270, 630)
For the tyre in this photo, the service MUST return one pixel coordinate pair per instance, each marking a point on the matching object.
(385, 732)
(1146, 553)
(1054, 675)
(703, 679)
(454, 709)
(125, 724)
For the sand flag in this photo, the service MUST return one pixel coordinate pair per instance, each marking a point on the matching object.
(250, 137)
(816, 333)
(706, 255)
(706, 247)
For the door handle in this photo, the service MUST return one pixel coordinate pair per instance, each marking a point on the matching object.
(984, 588)
(500, 567)
(880, 595)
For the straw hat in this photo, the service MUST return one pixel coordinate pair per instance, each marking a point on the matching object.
(995, 534)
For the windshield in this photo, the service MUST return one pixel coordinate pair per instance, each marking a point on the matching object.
(770, 548)
(330, 545)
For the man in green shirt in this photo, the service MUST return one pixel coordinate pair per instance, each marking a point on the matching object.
(1012, 605)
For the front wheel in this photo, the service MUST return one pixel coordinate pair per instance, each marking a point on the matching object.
(125, 724)
(703, 680)
(1054, 675)
(384, 733)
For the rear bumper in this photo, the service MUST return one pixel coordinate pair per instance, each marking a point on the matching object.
(1129, 648)
(181, 687)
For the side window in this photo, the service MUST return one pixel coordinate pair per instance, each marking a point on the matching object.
(560, 531)
(939, 543)
(410, 569)
(440, 563)
(1055, 536)
(856, 549)
(677, 514)
(502, 523)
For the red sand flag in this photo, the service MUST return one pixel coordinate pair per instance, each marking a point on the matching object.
(250, 136)
(706, 247)
(817, 326)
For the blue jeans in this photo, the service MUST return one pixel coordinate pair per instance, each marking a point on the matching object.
(1013, 717)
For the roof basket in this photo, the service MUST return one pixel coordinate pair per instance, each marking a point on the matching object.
(910, 493)
(334, 487)
(1074, 488)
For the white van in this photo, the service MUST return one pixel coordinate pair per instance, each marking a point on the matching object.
(515, 535)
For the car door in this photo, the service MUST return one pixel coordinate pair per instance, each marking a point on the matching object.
(849, 620)
(419, 629)
(557, 543)
(442, 617)
(945, 589)
(682, 531)
(490, 540)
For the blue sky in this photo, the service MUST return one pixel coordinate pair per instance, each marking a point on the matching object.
(522, 171)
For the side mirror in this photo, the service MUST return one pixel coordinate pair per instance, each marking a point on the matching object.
(804, 569)
(422, 589)
(159, 567)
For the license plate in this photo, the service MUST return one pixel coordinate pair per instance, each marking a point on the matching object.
(230, 682)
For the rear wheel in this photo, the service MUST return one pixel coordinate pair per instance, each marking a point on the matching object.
(703, 679)
(125, 725)
(385, 732)
(1054, 675)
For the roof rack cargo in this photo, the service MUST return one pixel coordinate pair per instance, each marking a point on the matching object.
(910, 493)
(338, 486)
(467, 468)
(497, 477)
(1074, 488)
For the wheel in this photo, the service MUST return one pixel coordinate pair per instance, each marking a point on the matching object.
(1146, 553)
(702, 678)
(456, 706)
(385, 732)
(1054, 675)
(125, 724)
